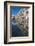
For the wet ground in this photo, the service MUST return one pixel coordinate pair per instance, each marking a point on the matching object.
(15, 31)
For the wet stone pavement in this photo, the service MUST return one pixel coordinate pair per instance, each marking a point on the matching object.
(15, 31)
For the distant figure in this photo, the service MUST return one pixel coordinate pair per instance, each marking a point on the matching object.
(13, 17)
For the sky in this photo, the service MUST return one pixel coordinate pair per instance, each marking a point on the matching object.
(14, 10)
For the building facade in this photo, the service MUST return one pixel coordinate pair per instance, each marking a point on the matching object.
(22, 18)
